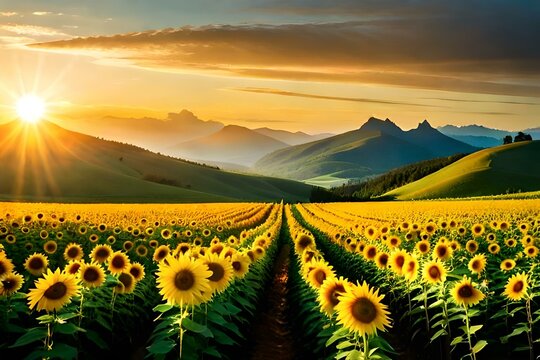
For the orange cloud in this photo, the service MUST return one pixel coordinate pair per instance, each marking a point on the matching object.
(424, 53)
(31, 30)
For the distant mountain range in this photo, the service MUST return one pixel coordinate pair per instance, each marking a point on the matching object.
(504, 169)
(481, 136)
(376, 147)
(184, 134)
(46, 162)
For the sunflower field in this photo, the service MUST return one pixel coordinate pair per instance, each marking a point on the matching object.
(383, 280)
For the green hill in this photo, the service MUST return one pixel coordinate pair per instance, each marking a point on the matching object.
(499, 170)
(377, 147)
(45, 162)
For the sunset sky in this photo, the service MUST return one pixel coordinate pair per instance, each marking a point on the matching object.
(315, 66)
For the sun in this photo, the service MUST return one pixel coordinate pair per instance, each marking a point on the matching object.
(30, 108)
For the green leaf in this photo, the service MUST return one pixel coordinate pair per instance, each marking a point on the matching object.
(438, 334)
(342, 332)
(196, 327)
(515, 332)
(161, 347)
(163, 308)
(344, 345)
(479, 346)
(67, 328)
(456, 340)
(31, 336)
(96, 339)
(436, 304)
(473, 329)
(67, 316)
(45, 319)
(62, 351)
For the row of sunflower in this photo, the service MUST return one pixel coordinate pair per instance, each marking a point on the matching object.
(338, 317)
(460, 285)
(96, 296)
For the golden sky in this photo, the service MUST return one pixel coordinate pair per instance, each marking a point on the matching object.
(314, 66)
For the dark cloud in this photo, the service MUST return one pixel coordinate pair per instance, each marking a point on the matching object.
(324, 97)
(476, 46)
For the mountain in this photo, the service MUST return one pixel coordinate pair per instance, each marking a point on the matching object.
(291, 138)
(534, 132)
(493, 171)
(45, 162)
(232, 144)
(377, 147)
(151, 133)
(475, 135)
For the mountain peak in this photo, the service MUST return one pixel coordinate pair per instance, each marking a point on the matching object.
(387, 126)
(425, 125)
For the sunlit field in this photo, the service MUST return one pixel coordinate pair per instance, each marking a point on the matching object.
(433, 279)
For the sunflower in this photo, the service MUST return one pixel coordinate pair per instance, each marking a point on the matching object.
(465, 294)
(471, 246)
(319, 271)
(126, 284)
(397, 261)
(442, 252)
(36, 264)
(43, 234)
(330, 292)
(259, 252)
(240, 264)
(527, 240)
(510, 242)
(10, 284)
(410, 268)
(127, 245)
(166, 234)
(494, 248)
(73, 252)
(216, 248)
(6, 265)
(92, 275)
(508, 264)
(477, 229)
(524, 227)
(94, 238)
(393, 242)
(360, 310)
(222, 271)
(141, 250)
(50, 247)
(184, 281)
(11, 239)
(199, 242)
(161, 252)
(302, 242)
(531, 251)
(137, 270)
(371, 232)
(516, 287)
(423, 247)
(153, 243)
(101, 253)
(53, 291)
(477, 264)
(491, 237)
(434, 272)
(73, 267)
(430, 228)
(370, 252)
(382, 260)
(118, 262)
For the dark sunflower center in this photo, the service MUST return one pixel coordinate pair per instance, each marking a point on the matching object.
(371, 252)
(364, 310)
(51, 247)
(518, 286)
(90, 275)
(476, 265)
(434, 272)
(2, 268)
(102, 253)
(161, 254)
(74, 268)
(507, 265)
(465, 291)
(383, 260)
(56, 291)
(320, 276)
(126, 280)
(334, 296)
(304, 242)
(9, 284)
(400, 260)
(118, 262)
(472, 246)
(217, 272)
(441, 251)
(184, 280)
(73, 252)
(423, 247)
(36, 263)
(237, 265)
(135, 272)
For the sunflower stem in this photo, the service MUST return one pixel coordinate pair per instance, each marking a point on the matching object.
(473, 355)
(426, 308)
(529, 331)
(366, 347)
(181, 339)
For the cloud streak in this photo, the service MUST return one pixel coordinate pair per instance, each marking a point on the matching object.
(467, 48)
(31, 30)
(325, 97)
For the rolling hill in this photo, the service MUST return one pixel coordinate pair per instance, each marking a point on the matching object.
(476, 135)
(232, 144)
(45, 162)
(291, 138)
(503, 169)
(377, 147)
